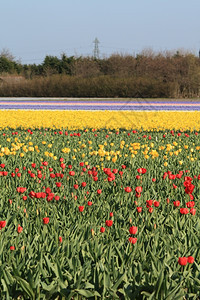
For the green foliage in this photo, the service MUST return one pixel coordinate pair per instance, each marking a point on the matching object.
(162, 75)
(89, 264)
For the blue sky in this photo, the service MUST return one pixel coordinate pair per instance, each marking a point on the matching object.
(32, 29)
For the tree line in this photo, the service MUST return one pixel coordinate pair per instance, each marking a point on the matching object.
(147, 74)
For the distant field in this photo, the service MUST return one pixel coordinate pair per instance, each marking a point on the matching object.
(92, 104)
(103, 99)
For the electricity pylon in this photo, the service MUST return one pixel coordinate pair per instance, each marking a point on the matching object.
(96, 48)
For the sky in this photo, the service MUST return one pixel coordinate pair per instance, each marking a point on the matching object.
(32, 29)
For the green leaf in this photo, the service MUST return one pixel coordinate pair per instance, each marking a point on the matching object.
(146, 293)
(174, 292)
(48, 287)
(159, 283)
(106, 280)
(26, 287)
(87, 293)
(115, 286)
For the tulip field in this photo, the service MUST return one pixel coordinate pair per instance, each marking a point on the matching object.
(97, 212)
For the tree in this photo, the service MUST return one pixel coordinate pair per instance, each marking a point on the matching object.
(7, 54)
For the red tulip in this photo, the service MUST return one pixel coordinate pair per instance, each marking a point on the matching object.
(142, 170)
(150, 209)
(45, 220)
(48, 190)
(2, 224)
(182, 261)
(149, 203)
(190, 259)
(156, 203)
(193, 211)
(133, 230)
(50, 197)
(139, 209)
(138, 189)
(190, 204)
(165, 175)
(71, 173)
(191, 197)
(189, 188)
(179, 176)
(81, 208)
(184, 211)
(21, 190)
(31, 194)
(19, 229)
(128, 189)
(176, 203)
(137, 195)
(109, 223)
(102, 229)
(132, 240)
